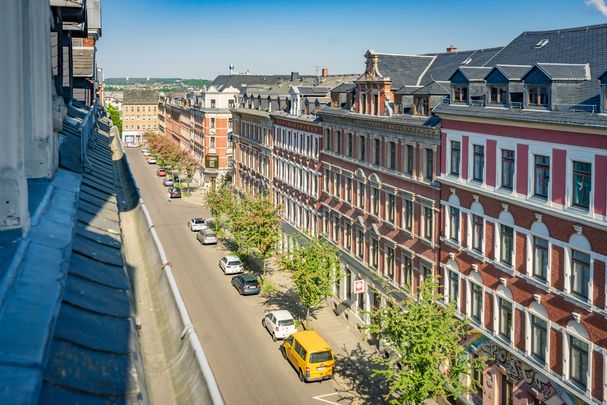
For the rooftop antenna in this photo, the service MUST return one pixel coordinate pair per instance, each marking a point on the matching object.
(231, 67)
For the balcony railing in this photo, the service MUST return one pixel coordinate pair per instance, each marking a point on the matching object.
(575, 107)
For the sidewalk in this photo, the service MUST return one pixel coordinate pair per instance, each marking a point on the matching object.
(353, 369)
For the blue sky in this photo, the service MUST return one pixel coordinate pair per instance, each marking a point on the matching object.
(199, 38)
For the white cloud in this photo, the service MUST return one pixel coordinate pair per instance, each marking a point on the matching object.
(599, 4)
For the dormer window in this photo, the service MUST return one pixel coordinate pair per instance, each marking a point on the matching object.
(460, 94)
(537, 95)
(421, 105)
(497, 94)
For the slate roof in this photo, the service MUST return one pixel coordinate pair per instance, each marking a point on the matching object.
(343, 88)
(313, 90)
(475, 73)
(140, 97)
(446, 63)
(565, 71)
(556, 117)
(87, 364)
(434, 88)
(513, 72)
(66, 314)
(403, 69)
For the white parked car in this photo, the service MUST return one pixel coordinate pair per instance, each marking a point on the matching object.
(279, 323)
(231, 265)
(195, 224)
(145, 150)
(152, 161)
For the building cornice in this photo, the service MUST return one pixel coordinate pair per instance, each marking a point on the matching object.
(390, 124)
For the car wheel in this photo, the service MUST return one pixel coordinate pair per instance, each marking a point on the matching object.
(301, 376)
(283, 352)
(274, 337)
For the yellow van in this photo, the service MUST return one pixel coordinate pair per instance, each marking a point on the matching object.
(310, 354)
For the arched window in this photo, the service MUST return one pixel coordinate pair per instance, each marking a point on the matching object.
(537, 336)
(579, 265)
(475, 297)
(503, 316)
(538, 252)
(504, 248)
(452, 219)
(451, 279)
(476, 228)
(577, 355)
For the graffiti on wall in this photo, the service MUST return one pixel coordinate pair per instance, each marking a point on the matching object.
(519, 371)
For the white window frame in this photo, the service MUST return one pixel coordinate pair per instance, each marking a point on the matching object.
(539, 230)
(475, 278)
(579, 156)
(539, 311)
(503, 293)
(540, 150)
(578, 331)
(505, 219)
(579, 243)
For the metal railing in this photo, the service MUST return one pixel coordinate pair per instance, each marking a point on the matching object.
(591, 108)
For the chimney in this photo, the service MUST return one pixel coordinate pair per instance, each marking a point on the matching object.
(452, 49)
(325, 72)
(294, 76)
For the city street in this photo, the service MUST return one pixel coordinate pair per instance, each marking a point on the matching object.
(246, 362)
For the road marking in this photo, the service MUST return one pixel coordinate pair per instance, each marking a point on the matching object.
(320, 398)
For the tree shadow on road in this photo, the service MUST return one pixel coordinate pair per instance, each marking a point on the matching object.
(288, 300)
(356, 369)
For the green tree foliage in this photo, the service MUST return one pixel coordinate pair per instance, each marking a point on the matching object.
(255, 226)
(315, 268)
(115, 116)
(425, 336)
(222, 203)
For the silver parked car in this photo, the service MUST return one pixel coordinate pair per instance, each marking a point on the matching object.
(207, 237)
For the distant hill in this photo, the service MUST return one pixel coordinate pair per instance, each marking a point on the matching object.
(169, 82)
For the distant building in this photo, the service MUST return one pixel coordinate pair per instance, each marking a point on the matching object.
(139, 114)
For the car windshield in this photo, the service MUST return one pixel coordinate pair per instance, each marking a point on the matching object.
(199, 221)
(286, 322)
(236, 263)
(251, 283)
(319, 357)
(209, 234)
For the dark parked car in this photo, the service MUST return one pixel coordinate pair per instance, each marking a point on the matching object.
(246, 284)
(175, 192)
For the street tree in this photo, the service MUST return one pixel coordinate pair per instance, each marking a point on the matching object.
(115, 117)
(222, 204)
(187, 165)
(315, 269)
(255, 226)
(424, 336)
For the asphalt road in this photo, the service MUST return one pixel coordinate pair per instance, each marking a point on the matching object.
(248, 366)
